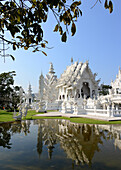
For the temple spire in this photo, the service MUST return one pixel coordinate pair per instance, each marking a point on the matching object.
(71, 60)
(51, 70)
(119, 74)
(41, 86)
(29, 89)
(119, 70)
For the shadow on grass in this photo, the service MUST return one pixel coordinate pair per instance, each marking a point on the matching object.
(5, 113)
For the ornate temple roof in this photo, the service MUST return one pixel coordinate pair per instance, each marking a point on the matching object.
(50, 78)
(117, 82)
(51, 70)
(74, 73)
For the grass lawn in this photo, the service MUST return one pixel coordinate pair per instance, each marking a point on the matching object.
(8, 117)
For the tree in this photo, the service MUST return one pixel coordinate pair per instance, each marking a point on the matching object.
(9, 95)
(5, 137)
(104, 89)
(23, 19)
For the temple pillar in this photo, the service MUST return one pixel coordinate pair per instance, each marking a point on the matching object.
(108, 110)
(104, 107)
(64, 110)
(112, 110)
(90, 89)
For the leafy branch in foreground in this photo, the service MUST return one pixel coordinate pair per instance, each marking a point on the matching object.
(24, 19)
(108, 5)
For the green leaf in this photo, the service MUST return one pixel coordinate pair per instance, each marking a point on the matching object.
(73, 29)
(56, 28)
(64, 37)
(79, 3)
(61, 18)
(60, 30)
(19, 37)
(75, 4)
(44, 53)
(110, 7)
(14, 47)
(13, 58)
(106, 4)
(34, 1)
(45, 18)
(43, 45)
(26, 48)
(18, 18)
(80, 12)
(46, 41)
(36, 49)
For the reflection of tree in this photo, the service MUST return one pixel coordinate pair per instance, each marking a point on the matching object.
(5, 138)
(39, 140)
(8, 129)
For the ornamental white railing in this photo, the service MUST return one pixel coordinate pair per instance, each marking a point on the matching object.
(116, 96)
(101, 112)
(117, 112)
(98, 111)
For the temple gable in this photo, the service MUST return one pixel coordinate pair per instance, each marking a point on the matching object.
(77, 81)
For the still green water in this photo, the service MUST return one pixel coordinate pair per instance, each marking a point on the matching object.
(59, 144)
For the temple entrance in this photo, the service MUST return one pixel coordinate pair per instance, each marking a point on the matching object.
(85, 90)
(29, 100)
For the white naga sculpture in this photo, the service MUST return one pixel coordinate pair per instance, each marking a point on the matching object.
(23, 108)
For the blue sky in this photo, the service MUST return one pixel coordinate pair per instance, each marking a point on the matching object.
(98, 39)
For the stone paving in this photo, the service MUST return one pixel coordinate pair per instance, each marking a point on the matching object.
(59, 114)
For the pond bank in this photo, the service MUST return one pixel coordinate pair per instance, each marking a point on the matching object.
(31, 115)
(68, 115)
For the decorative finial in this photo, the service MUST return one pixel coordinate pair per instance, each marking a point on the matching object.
(71, 60)
(51, 70)
(29, 89)
(41, 73)
(87, 62)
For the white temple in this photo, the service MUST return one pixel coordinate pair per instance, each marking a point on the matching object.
(77, 81)
(47, 94)
(114, 97)
(76, 92)
(116, 85)
(29, 97)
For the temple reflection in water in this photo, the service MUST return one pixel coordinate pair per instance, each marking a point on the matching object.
(80, 142)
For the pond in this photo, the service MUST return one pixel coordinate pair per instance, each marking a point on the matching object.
(59, 144)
